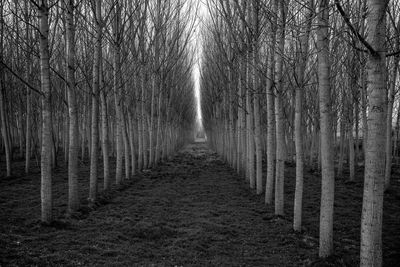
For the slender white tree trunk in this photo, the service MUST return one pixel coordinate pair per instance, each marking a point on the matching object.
(372, 209)
(326, 151)
(389, 118)
(4, 125)
(126, 146)
(341, 144)
(104, 141)
(116, 89)
(94, 158)
(139, 124)
(239, 124)
(280, 133)
(298, 120)
(159, 129)
(132, 142)
(257, 126)
(28, 94)
(269, 187)
(151, 125)
(73, 150)
(364, 105)
(46, 147)
(249, 125)
(351, 139)
(144, 123)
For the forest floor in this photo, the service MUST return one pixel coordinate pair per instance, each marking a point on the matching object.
(191, 211)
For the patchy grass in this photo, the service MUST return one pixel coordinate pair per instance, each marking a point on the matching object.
(191, 211)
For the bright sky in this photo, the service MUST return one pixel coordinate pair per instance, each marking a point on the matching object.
(197, 43)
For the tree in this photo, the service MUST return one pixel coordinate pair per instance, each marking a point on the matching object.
(46, 158)
(4, 128)
(371, 221)
(28, 90)
(117, 88)
(95, 103)
(256, 108)
(391, 95)
(300, 77)
(328, 173)
(73, 150)
(271, 152)
(104, 131)
(280, 134)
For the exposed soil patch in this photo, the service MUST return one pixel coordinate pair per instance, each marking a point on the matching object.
(192, 210)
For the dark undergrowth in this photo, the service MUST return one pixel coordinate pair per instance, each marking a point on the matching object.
(191, 211)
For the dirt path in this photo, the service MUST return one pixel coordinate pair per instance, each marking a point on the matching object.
(191, 211)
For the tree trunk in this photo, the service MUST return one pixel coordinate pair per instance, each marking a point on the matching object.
(351, 139)
(45, 166)
(341, 144)
(256, 120)
(279, 117)
(28, 93)
(94, 157)
(327, 165)
(151, 125)
(73, 150)
(116, 89)
(83, 127)
(364, 106)
(269, 187)
(4, 128)
(249, 125)
(132, 143)
(396, 136)
(139, 122)
(389, 114)
(104, 132)
(126, 146)
(104, 141)
(372, 209)
(357, 123)
(257, 124)
(144, 123)
(240, 129)
(232, 147)
(298, 120)
(159, 130)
